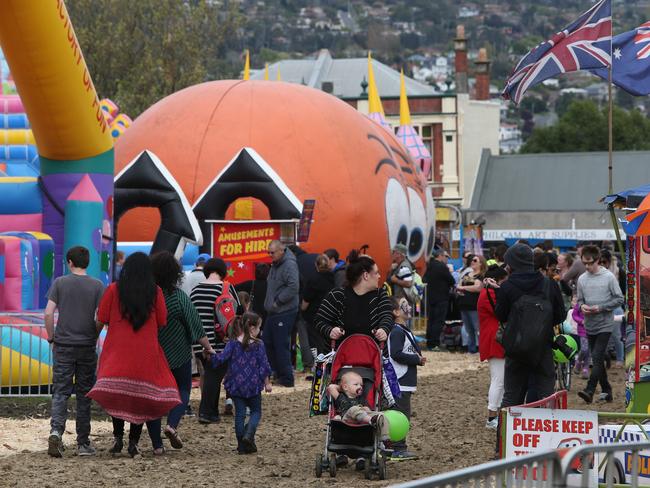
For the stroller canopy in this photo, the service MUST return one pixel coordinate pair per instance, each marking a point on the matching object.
(359, 351)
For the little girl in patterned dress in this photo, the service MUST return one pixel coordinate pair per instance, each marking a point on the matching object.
(248, 374)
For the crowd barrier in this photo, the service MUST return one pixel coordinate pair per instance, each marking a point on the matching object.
(25, 355)
(546, 469)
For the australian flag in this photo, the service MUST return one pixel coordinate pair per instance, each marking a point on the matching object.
(631, 61)
(583, 45)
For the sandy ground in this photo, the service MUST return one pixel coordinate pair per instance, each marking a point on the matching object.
(447, 432)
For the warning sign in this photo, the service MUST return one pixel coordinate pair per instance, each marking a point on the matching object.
(530, 430)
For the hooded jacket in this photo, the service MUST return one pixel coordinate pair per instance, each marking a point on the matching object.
(283, 285)
(528, 283)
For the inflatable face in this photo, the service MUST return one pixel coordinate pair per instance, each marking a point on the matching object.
(282, 144)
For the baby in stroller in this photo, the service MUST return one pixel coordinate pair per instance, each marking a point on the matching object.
(351, 406)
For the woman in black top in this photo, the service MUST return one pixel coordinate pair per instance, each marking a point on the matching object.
(313, 294)
(361, 307)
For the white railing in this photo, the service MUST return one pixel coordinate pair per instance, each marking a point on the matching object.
(545, 469)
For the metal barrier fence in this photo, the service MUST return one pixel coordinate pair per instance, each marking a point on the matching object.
(25, 357)
(545, 469)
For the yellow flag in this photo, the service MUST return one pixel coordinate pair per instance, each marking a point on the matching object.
(247, 66)
(404, 112)
(374, 102)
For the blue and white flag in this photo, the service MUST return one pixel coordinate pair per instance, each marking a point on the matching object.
(631, 61)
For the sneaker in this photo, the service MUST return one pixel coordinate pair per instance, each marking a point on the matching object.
(227, 410)
(189, 412)
(585, 374)
(205, 419)
(86, 450)
(588, 397)
(247, 445)
(492, 424)
(606, 397)
(403, 456)
(55, 445)
(360, 464)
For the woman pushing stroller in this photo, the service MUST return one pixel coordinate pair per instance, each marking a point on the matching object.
(360, 307)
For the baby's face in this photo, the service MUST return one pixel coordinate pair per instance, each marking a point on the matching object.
(352, 385)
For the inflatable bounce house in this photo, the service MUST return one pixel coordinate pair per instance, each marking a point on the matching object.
(56, 176)
(262, 150)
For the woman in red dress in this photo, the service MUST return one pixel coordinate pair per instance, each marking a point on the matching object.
(134, 382)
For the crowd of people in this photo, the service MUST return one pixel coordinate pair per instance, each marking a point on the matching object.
(584, 290)
(163, 325)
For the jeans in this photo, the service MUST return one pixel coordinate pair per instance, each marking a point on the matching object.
(277, 341)
(73, 365)
(211, 388)
(403, 404)
(305, 343)
(470, 323)
(183, 376)
(243, 429)
(598, 348)
(518, 375)
(135, 431)
(437, 316)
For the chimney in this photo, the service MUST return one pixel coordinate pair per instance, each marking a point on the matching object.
(482, 75)
(460, 46)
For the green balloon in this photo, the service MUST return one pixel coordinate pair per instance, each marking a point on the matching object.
(398, 425)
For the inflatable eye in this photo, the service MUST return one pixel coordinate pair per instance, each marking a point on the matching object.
(397, 213)
(418, 223)
(431, 222)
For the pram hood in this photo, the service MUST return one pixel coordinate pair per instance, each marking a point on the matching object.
(360, 351)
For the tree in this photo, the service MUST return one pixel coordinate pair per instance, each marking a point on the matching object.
(584, 128)
(139, 52)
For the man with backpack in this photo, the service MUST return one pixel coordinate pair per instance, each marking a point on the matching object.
(529, 305)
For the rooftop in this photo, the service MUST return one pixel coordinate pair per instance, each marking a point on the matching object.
(554, 181)
(346, 76)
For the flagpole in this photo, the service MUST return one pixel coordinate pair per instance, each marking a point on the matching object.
(610, 156)
(610, 188)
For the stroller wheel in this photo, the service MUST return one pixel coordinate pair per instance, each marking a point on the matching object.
(367, 471)
(381, 464)
(318, 468)
(332, 465)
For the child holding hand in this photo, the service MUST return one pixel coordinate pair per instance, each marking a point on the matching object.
(248, 374)
(350, 404)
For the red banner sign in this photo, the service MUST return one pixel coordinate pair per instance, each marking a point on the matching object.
(242, 245)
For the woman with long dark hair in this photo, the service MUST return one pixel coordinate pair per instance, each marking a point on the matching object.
(361, 307)
(134, 382)
(183, 329)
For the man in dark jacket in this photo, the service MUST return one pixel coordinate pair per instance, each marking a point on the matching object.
(281, 304)
(439, 283)
(524, 280)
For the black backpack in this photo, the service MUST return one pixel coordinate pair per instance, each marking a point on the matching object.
(529, 327)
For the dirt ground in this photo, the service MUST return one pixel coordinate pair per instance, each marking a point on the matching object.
(448, 432)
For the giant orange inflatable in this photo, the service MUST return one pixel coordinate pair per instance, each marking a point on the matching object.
(309, 144)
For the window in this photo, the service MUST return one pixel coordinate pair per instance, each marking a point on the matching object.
(449, 138)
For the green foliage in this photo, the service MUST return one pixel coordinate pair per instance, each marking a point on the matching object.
(583, 127)
(141, 51)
